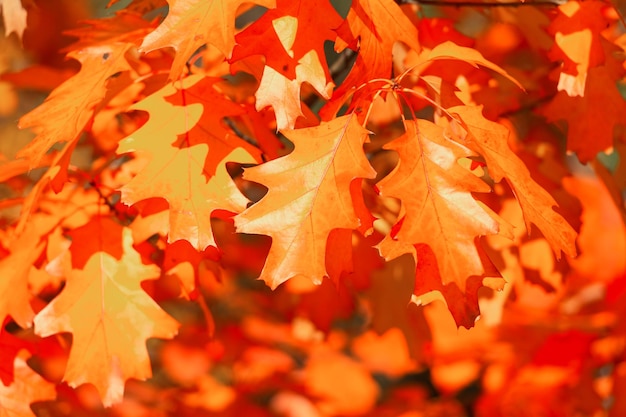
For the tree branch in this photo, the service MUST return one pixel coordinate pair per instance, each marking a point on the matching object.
(478, 3)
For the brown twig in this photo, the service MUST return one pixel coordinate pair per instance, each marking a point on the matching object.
(478, 3)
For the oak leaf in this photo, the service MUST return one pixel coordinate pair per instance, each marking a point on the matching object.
(14, 270)
(283, 94)
(14, 16)
(309, 196)
(441, 221)
(70, 107)
(371, 28)
(284, 35)
(489, 139)
(293, 54)
(577, 43)
(591, 127)
(439, 208)
(180, 175)
(10, 347)
(192, 23)
(110, 317)
(28, 387)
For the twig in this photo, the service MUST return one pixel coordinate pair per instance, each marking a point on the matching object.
(529, 106)
(230, 123)
(444, 3)
(341, 63)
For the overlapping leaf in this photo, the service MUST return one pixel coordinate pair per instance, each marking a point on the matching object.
(110, 317)
(309, 196)
(14, 17)
(438, 206)
(293, 54)
(192, 23)
(70, 107)
(27, 388)
(179, 174)
(489, 139)
(371, 28)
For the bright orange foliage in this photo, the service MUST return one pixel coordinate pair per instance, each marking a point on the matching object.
(312, 208)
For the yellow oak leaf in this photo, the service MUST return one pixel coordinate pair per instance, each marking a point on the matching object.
(180, 175)
(110, 317)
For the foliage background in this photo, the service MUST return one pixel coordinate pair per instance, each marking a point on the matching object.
(552, 343)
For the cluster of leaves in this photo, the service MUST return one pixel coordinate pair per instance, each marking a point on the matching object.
(362, 159)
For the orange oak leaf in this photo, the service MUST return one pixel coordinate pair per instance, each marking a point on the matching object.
(123, 27)
(14, 270)
(28, 387)
(435, 192)
(110, 317)
(100, 234)
(440, 213)
(70, 107)
(489, 139)
(14, 16)
(179, 174)
(451, 51)
(283, 94)
(191, 24)
(284, 35)
(10, 347)
(591, 125)
(309, 196)
(293, 52)
(211, 128)
(577, 43)
(371, 28)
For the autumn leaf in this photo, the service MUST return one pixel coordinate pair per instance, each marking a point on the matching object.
(435, 192)
(192, 23)
(293, 54)
(309, 196)
(439, 212)
(450, 51)
(371, 28)
(283, 94)
(70, 107)
(14, 270)
(123, 27)
(179, 174)
(585, 117)
(110, 317)
(283, 35)
(14, 16)
(28, 387)
(489, 139)
(10, 347)
(577, 43)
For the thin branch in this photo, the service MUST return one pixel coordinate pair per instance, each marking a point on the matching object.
(529, 106)
(231, 124)
(478, 3)
(343, 61)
